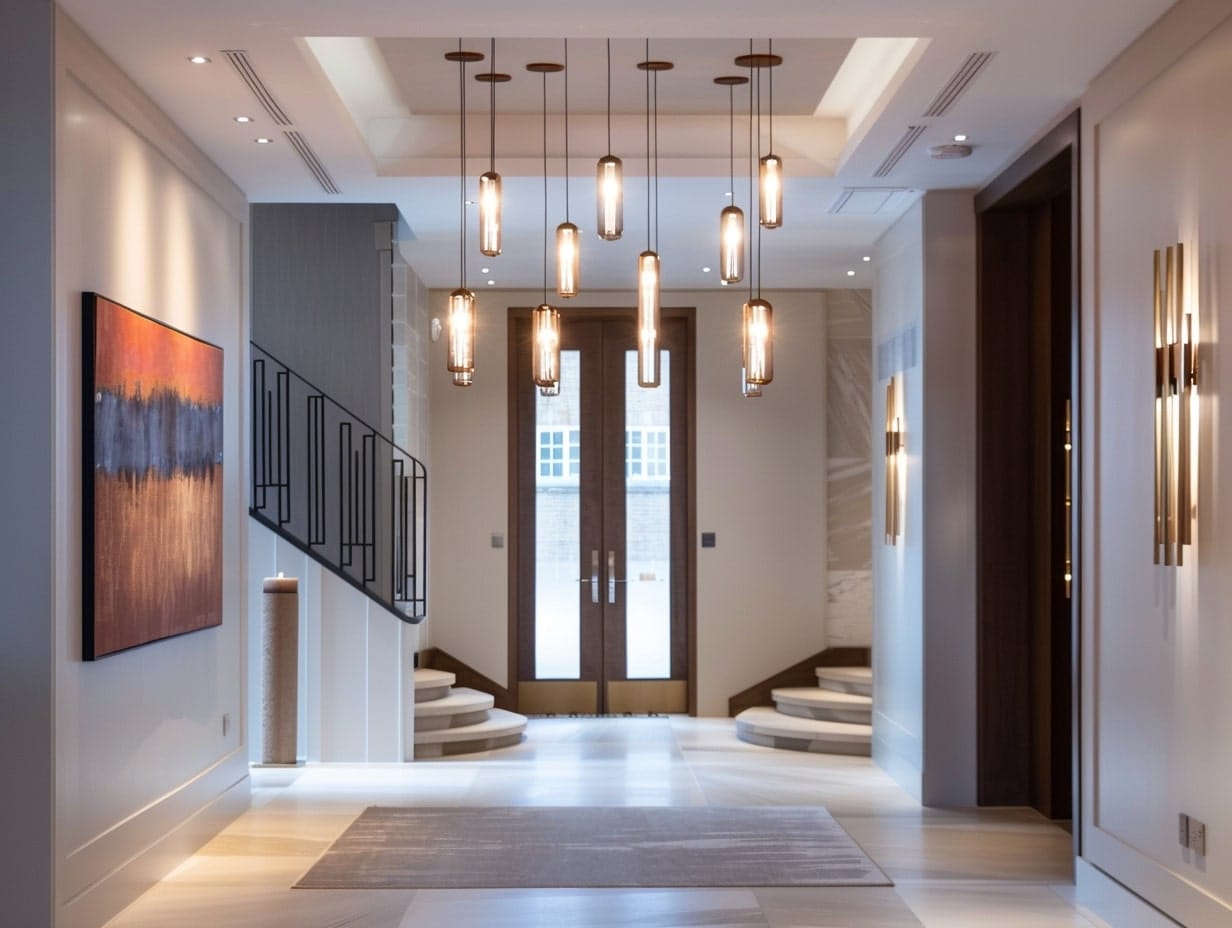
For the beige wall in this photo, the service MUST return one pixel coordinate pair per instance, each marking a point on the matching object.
(145, 770)
(1157, 701)
(761, 474)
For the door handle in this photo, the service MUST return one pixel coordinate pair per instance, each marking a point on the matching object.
(594, 575)
(611, 576)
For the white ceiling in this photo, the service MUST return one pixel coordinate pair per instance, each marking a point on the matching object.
(364, 83)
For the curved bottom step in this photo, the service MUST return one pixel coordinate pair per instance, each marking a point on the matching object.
(501, 729)
(768, 728)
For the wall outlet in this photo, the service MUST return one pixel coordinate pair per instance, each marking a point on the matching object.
(1183, 829)
(1197, 837)
(226, 724)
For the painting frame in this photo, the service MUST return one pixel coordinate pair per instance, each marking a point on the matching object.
(151, 479)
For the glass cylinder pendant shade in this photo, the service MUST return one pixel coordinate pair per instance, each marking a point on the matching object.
(568, 248)
(463, 378)
(771, 178)
(490, 213)
(731, 244)
(648, 319)
(610, 187)
(461, 332)
(746, 388)
(545, 336)
(758, 342)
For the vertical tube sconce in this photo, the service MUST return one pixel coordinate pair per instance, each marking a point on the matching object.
(758, 342)
(1176, 379)
(545, 333)
(895, 444)
(648, 319)
(461, 332)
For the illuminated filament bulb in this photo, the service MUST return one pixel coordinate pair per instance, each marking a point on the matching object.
(461, 333)
(648, 319)
(545, 333)
(731, 244)
(758, 342)
(568, 242)
(610, 202)
(490, 213)
(771, 178)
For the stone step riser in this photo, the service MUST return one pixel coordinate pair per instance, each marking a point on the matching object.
(423, 751)
(803, 744)
(855, 716)
(444, 722)
(429, 694)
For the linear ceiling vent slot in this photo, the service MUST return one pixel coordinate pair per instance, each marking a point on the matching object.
(243, 67)
(313, 163)
(961, 80)
(869, 201)
(897, 152)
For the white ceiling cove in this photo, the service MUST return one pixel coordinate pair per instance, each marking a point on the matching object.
(371, 106)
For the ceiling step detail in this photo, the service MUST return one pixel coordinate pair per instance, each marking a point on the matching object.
(243, 67)
(304, 150)
(957, 84)
(896, 153)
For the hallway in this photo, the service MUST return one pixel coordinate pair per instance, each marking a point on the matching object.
(957, 869)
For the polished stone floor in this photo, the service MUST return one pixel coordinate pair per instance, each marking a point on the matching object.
(952, 869)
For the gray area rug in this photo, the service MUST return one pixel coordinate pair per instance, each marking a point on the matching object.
(582, 847)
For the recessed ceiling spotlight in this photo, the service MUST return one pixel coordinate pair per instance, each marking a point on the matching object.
(868, 257)
(706, 269)
(263, 140)
(961, 137)
(198, 59)
(470, 202)
(729, 194)
(243, 119)
(851, 273)
(491, 283)
(485, 270)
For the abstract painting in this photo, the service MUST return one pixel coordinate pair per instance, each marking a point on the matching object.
(152, 487)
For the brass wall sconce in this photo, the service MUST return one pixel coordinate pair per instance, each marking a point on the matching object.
(895, 445)
(1176, 377)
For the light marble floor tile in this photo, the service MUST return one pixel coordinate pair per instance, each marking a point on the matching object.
(1004, 867)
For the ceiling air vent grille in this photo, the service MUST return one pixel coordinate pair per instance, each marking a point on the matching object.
(304, 150)
(961, 80)
(243, 67)
(897, 152)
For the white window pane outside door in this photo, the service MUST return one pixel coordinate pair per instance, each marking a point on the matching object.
(648, 524)
(558, 511)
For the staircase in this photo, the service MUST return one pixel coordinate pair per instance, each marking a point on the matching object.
(834, 717)
(453, 719)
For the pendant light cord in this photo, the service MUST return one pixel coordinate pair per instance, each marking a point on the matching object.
(609, 96)
(759, 162)
(751, 169)
(492, 112)
(648, 148)
(770, 67)
(566, 130)
(545, 186)
(656, 161)
(462, 166)
(731, 141)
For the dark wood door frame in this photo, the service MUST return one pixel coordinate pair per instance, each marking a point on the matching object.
(685, 593)
(1029, 224)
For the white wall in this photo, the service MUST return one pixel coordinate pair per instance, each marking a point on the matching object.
(1157, 695)
(760, 486)
(924, 723)
(144, 771)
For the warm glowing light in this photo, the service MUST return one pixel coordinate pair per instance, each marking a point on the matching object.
(758, 341)
(545, 336)
(731, 244)
(461, 326)
(568, 242)
(648, 319)
(199, 59)
(771, 178)
(262, 140)
(490, 213)
(243, 119)
(609, 183)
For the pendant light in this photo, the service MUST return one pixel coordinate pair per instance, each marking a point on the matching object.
(757, 321)
(731, 219)
(489, 180)
(545, 319)
(568, 243)
(461, 316)
(648, 265)
(770, 165)
(609, 178)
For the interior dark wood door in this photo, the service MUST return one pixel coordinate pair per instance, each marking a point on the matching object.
(600, 521)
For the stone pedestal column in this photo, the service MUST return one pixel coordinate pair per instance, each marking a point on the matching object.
(280, 670)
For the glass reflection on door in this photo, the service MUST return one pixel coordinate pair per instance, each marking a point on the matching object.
(558, 459)
(648, 524)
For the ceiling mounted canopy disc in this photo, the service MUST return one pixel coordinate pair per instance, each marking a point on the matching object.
(493, 77)
(464, 56)
(731, 80)
(545, 67)
(655, 66)
(759, 60)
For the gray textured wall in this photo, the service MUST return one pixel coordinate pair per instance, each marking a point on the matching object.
(27, 369)
(317, 283)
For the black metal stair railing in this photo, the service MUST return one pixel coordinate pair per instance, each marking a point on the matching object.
(337, 489)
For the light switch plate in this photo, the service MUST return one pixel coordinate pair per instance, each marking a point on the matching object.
(498, 540)
(1183, 829)
(1197, 837)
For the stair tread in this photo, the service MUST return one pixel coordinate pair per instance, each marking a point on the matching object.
(499, 722)
(816, 696)
(461, 699)
(765, 720)
(846, 674)
(426, 679)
